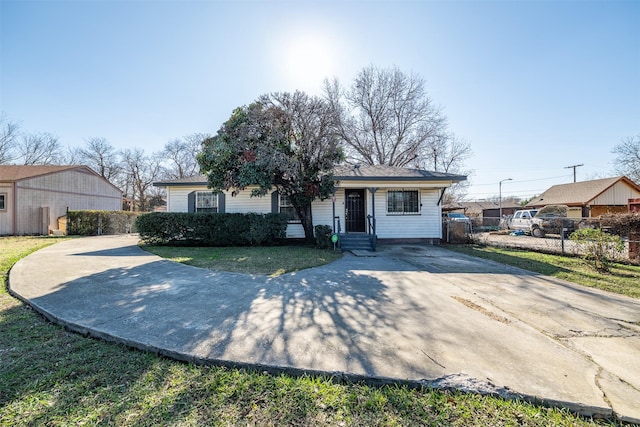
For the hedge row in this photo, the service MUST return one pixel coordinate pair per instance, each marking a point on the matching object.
(95, 223)
(211, 229)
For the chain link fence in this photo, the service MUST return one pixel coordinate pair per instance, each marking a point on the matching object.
(492, 231)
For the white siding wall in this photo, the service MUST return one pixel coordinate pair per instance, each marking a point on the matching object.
(427, 224)
(177, 200)
(243, 202)
(178, 197)
(618, 194)
(6, 216)
(72, 189)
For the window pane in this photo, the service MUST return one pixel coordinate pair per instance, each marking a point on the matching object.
(404, 201)
(410, 201)
(2, 202)
(394, 201)
(206, 201)
(287, 209)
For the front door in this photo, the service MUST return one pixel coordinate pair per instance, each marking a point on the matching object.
(354, 211)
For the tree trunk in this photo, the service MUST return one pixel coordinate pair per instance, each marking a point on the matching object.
(306, 217)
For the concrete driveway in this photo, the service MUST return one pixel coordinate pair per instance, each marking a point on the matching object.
(416, 313)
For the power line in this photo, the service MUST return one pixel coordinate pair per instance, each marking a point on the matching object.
(526, 180)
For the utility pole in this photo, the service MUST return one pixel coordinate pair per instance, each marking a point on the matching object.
(574, 170)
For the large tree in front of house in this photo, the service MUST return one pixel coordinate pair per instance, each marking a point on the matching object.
(283, 142)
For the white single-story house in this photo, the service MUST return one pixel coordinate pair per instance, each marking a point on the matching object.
(401, 204)
(32, 198)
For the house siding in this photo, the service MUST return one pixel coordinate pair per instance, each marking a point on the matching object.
(427, 224)
(41, 200)
(6, 215)
(177, 200)
(617, 195)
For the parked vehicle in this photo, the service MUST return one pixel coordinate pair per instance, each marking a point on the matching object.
(550, 219)
(522, 220)
(458, 217)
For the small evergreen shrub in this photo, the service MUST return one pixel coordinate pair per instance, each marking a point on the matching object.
(323, 236)
(211, 229)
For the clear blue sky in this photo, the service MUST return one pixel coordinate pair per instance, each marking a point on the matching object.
(533, 86)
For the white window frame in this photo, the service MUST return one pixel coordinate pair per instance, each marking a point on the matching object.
(200, 199)
(283, 202)
(3, 204)
(418, 202)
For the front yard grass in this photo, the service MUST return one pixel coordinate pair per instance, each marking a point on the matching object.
(49, 376)
(270, 261)
(622, 279)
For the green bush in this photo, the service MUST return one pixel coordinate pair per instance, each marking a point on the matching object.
(94, 223)
(600, 248)
(211, 229)
(323, 236)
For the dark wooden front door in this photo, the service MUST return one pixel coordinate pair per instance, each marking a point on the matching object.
(354, 211)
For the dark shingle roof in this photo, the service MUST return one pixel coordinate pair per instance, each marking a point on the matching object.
(390, 173)
(351, 173)
(189, 180)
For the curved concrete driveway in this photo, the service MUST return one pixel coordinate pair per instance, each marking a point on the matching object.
(411, 313)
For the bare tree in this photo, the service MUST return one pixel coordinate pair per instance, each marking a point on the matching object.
(102, 157)
(39, 149)
(141, 171)
(72, 156)
(181, 155)
(386, 117)
(628, 160)
(9, 132)
(444, 154)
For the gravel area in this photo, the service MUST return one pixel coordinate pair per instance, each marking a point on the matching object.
(550, 243)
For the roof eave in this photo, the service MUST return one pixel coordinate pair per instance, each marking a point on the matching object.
(454, 178)
(179, 184)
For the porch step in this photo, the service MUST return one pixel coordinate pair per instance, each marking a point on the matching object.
(349, 242)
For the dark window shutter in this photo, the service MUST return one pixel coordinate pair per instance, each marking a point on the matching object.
(191, 202)
(275, 202)
(221, 202)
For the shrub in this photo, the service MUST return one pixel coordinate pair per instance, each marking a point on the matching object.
(94, 223)
(211, 229)
(323, 236)
(599, 247)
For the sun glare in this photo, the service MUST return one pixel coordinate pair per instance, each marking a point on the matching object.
(308, 60)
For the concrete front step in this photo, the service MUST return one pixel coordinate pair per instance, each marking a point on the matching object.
(356, 242)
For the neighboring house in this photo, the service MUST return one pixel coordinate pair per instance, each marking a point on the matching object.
(483, 209)
(590, 198)
(404, 204)
(32, 198)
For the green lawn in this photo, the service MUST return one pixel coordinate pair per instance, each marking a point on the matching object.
(271, 261)
(622, 279)
(51, 377)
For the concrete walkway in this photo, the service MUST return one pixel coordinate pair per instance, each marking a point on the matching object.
(409, 313)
